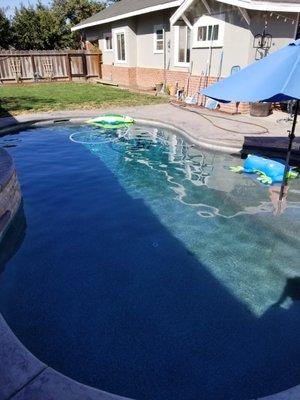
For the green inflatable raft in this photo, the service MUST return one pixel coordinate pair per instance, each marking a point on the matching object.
(111, 121)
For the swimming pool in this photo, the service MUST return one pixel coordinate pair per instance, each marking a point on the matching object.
(139, 264)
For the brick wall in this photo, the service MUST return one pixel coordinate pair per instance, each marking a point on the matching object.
(146, 78)
(120, 75)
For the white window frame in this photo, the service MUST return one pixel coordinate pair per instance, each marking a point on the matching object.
(206, 21)
(116, 32)
(178, 63)
(106, 35)
(155, 29)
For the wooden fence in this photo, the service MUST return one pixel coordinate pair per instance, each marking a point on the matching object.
(51, 65)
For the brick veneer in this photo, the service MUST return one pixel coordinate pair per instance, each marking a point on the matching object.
(125, 76)
(146, 78)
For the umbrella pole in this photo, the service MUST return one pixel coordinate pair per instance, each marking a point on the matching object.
(291, 138)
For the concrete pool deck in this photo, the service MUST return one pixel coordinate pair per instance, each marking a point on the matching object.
(23, 376)
(212, 130)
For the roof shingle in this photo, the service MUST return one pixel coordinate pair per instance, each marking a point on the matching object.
(121, 7)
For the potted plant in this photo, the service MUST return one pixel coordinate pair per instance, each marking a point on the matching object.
(159, 87)
(260, 109)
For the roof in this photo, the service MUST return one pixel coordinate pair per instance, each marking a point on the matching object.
(126, 9)
(266, 5)
(262, 5)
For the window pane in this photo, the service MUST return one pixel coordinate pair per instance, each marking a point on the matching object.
(182, 44)
(188, 43)
(108, 42)
(159, 34)
(121, 46)
(202, 32)
(209, 32)
(215, 32)
(159, 45)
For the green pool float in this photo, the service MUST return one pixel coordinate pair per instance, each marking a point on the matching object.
(111, 121)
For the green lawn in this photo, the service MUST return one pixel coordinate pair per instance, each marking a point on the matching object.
(17, 99)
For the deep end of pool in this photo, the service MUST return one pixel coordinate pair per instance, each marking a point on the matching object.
(139, 264)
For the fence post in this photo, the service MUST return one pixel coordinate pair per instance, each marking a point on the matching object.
(69, 67)
(100, 64)
(33, 67)
(84, 66)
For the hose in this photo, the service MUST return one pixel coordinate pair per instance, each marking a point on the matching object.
(206, 117)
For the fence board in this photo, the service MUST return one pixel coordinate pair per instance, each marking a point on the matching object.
(24, 65)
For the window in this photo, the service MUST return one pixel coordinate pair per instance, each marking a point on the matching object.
(158, 39)
(202, 33)
(120, 46)
(107, 42)
(182, 45)
(209, 31)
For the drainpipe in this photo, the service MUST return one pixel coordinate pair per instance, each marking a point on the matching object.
(297, 25)
(165, 55)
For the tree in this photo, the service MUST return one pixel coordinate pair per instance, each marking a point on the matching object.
(44, 28)
(70, 13)
(5, 33)
(35, 28)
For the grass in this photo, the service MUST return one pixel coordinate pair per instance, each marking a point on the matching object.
(18, 99)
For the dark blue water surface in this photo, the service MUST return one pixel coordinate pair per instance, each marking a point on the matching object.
(141, 265)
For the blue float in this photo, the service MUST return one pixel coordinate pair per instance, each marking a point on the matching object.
(269, 171)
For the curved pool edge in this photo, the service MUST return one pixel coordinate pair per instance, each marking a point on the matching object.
(11, 124)
(22, 375)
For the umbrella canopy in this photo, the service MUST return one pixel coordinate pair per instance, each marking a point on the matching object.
(274, 78)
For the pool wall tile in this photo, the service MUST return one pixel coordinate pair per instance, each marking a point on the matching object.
(10, 192)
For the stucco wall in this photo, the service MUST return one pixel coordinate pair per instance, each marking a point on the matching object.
(145, 40)
(237, 48)
(238, 39)
(96, 33)
(282, 32)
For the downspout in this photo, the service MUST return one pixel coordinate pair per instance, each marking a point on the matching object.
(297, 25)
(165, 60)
(165, 55)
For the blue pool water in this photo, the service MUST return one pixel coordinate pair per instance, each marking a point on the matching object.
(139, 264)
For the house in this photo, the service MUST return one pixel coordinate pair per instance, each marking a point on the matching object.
(187, 42)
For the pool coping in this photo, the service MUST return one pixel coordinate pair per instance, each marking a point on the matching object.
(22, 375)
(30, 120)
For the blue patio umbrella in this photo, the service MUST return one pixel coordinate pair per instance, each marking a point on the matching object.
(272, 79)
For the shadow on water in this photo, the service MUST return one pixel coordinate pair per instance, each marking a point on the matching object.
(291, 291)
(13, 238)
(135, 312)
